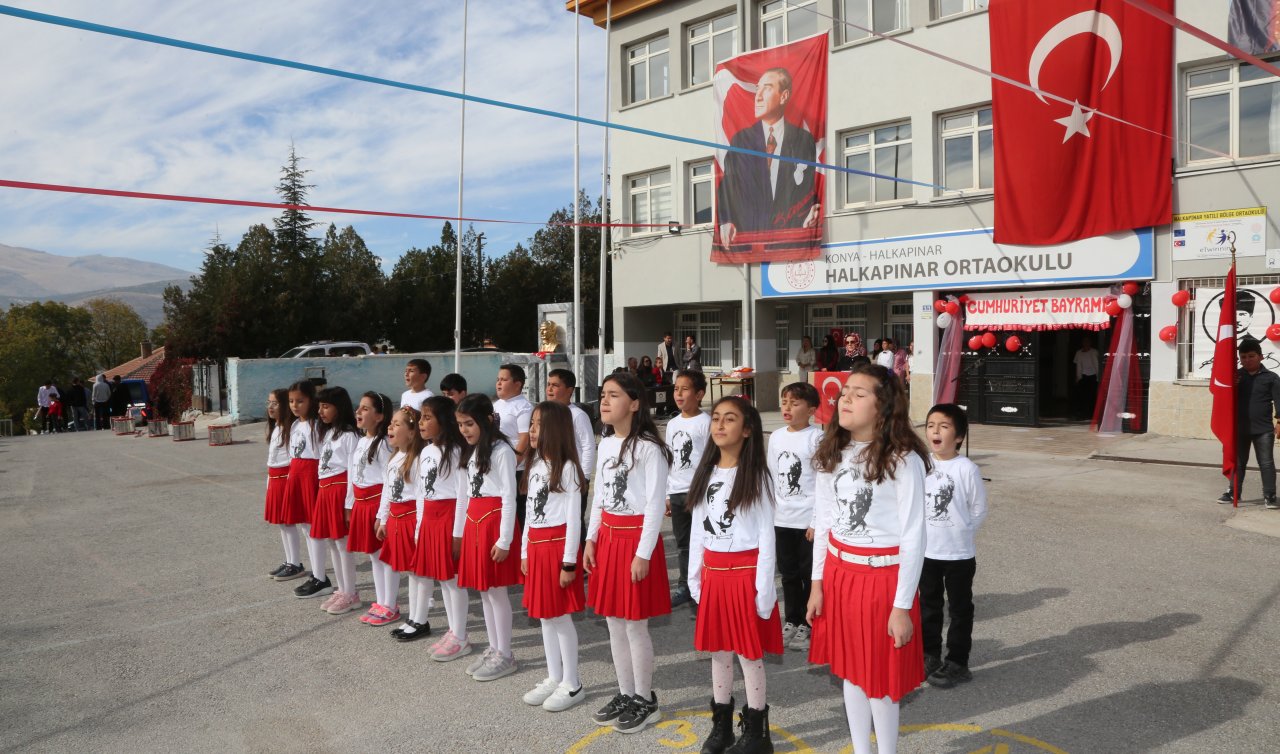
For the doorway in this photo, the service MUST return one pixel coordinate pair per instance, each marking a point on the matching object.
(1062, 398)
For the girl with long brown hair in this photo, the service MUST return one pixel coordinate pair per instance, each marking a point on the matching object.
(398, 510)
(279, 424)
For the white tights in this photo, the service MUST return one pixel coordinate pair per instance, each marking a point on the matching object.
(289, 538)
(861, 711)
(722, 679)
(560, 643)
(455, 608)
(497, 618)
(344, 565)
(386, 583)
(317, 550)
(420, 591)
(632, 655)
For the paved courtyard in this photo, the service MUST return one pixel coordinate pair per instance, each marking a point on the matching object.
(1116, 613)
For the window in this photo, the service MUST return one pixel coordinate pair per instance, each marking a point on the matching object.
(885, 150)
(942, 8)
(702, 192)
(783, 21)
(782, 339)
(967, 157)
(709, 43)
(650, 196)
(1232, 110)
(704, 326)
(881, 16)
(647, 70)
(847, 317)
(900, 324)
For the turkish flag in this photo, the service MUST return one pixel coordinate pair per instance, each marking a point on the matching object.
(1223, 381)
(828, 384)
(1064, 170)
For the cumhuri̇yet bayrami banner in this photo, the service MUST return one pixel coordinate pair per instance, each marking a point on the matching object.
(772, 101)
(1083, 308)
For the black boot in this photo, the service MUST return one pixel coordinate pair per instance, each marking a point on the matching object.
(721, 737)
(755, 739)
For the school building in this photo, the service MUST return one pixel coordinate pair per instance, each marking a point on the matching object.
(898, 111)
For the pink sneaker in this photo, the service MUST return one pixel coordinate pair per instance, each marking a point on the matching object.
(439, 643)
(374, 610)
(345, 603)
(332, 598)
(387, 615)
(451, 648)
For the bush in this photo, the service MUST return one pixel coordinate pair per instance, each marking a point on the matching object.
(29, 422)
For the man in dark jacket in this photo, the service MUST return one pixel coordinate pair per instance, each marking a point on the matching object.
(119, 397)
(1257, 401)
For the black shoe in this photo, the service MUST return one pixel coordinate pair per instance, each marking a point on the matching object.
(609, 713)
(753, 730)
(949, 675)
(420, 631)
(291, 571)
(681, 596)
(313, 587)
(721, 736)
(639, 714)
(693, 611)
(1270, 502)
(932, 664)
(278, 570)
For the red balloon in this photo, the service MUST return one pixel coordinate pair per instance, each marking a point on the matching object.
(1013, 344)
(1169, 333)
(939, 306)
(1274, 295)
(1131, 288)
(989, 340)
(1113, 309)
(1273, 332)
(952, 308)
(1180, 298)
(975, 342)
(964, 299)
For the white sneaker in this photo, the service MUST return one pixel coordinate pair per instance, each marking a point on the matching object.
(541, 692)
(563, 698)
(788, 631)
(479, 662)
(498, 666)
(800, 642)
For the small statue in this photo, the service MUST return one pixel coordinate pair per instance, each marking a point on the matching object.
(548, 334)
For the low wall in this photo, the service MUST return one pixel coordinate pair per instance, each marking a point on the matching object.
(1179, 410)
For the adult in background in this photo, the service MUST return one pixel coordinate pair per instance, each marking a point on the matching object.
(119, 397)
(1257, 398)
(853, 349)
(44, 396)
(101, 403)
(829, 354)
(78, 406)
(647, 373)
(1086, 363)
(806, 358)
(691, 357)
(667, 355)
(885, 357)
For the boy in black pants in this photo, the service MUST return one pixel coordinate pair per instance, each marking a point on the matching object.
(790, 458)
(687, 436)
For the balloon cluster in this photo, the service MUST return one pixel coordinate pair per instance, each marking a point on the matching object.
(947, 311)
(988, 340)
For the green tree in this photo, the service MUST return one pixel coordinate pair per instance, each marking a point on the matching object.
(551, 248)
(350, 288)
(297, 256)
(115, 330)
(515, 284)
(420, 294)
(40, 341)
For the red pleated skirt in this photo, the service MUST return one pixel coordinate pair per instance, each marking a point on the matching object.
(543, 596)
(611, 592)
(277, 480)
(362, 535)
(300, 491)
(329, 521)
(476, 567)
(852, 634)
(727, 617)
(397, 548)
(433, 556)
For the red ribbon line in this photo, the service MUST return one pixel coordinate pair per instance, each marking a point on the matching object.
(31, 186)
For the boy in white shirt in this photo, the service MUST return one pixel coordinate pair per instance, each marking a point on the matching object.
(955, 506)
(514, 412)
(790, 458)
(687, 436)
(416, 374)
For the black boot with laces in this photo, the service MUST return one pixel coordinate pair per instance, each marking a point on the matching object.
(721, 737)
(754, 738)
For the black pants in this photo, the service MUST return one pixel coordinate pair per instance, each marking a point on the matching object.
(955, 578)
(681, 523)
(795, 565)
(1086, 396)
(1264, 446)
(102, 415)
(586, 511)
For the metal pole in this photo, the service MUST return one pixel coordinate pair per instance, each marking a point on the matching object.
(462, 151)
(604, 200)
(577, 208)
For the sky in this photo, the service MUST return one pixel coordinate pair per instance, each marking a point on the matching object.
(88, 109)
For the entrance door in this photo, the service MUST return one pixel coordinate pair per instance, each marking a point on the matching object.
(1062, 398)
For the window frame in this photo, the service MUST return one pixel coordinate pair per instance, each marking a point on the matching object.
(782, 338)
(975, 129)
(786, 7)
(628, 63)
(704, 324)
(844, 315)
(648, 189)
(970, 6)
(842, 33)
(870, 150)
(1232, 87)
(710, 39)
(690, 180)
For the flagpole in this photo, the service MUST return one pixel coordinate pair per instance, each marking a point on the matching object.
(577, 206)
(462, 151)
(604, 203)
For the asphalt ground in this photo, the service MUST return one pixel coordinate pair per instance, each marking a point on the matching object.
(1115, 613)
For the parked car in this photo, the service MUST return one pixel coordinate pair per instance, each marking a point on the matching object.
(139, 400)
(328, 348)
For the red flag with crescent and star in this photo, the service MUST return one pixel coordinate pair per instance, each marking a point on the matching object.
(1099, 159)
(1222, 383)
(828, 384)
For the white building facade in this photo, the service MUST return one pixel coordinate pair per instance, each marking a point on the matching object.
(892, 248)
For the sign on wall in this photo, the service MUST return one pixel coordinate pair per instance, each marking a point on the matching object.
(1208, 235)
(1254, 314)
(1047, 310)
(958, 260)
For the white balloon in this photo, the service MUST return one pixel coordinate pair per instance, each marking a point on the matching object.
(1124, 300)
(944, 320)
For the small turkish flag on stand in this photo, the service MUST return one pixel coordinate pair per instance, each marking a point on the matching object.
(1223, 383)
(1064, 170)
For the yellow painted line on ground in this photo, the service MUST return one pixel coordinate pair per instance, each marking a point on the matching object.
(1027, 740)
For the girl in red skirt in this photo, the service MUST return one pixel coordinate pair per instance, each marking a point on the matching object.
(364, 491)
(398, 510)
(303, 484)
(549, 560)
(489, 533)
(337, 446)
(732, 563)
(868, 551)
(623, 539)
(279, 423)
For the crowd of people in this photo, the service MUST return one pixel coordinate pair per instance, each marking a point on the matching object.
(869, 526)
(67, 408)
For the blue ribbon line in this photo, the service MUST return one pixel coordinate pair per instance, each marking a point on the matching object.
(115, 31)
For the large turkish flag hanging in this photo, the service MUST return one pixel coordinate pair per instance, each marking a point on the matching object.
(1063, 170)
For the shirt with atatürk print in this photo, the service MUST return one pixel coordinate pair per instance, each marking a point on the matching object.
(687, 439)
(440, 483)
(500, 482)
(716, 528)
(396, 488)
(955, 504)
(545, 509)
(365, 472)
(860, 513)
(335, 452)
(277, 451)
(630, 484)
(790, 458)
(302, 440)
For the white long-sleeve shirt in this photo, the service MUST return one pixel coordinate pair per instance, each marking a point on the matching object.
(790, 458)
(955, 506)
(277, 453)
(514, 415)
(397, 489)
(302, 440)
(634, 485)
(545, 509)
(441, 484)
(687, 440)
(335, 452)
(584, 436)
(718, 530)
(366, 473)
(861, 514)
(499, 482)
